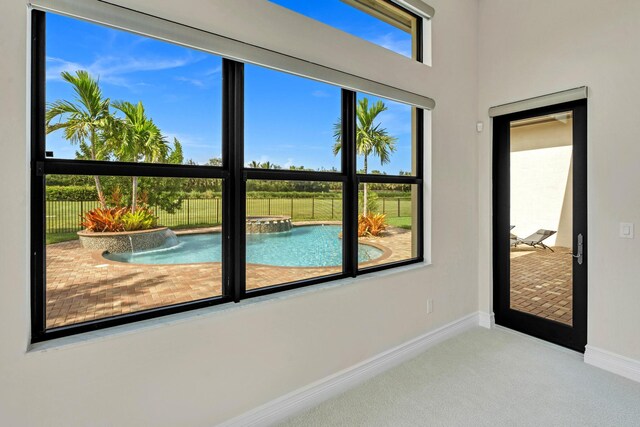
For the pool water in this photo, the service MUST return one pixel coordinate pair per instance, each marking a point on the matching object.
(309, 246)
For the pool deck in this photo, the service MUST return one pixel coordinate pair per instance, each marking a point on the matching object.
(83, 286)
(542, 282)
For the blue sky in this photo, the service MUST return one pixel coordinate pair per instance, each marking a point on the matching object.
(288, 119)
(353, 21)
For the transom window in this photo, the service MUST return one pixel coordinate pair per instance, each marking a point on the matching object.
(166, 179)
(381, 22)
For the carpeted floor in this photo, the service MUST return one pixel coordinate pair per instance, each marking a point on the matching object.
(486, 378)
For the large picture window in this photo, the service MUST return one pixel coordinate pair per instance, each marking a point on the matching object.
(166, 179)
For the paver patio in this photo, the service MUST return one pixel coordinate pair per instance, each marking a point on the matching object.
(542, 282)
(83, 286)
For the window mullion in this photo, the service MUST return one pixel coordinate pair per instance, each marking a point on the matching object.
(234, 197)
(350, 189)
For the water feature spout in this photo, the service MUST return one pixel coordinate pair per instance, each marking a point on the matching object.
(170, 239)
(131, 243)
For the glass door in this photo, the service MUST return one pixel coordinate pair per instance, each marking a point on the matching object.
(540, 223)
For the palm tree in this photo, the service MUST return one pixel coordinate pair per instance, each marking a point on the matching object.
(371, 139)
(136, 138)
(83, 121)
(254, 164)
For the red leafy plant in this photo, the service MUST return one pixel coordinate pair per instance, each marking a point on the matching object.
(102, 220)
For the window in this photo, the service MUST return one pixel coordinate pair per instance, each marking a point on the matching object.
(381, 22)
(294, 231)
(302, 137)
(166, 179)
(140, 81)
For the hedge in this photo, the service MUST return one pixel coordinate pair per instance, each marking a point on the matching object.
(79, 192)
(71, 192)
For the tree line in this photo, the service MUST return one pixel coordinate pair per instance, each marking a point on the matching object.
(122, 131)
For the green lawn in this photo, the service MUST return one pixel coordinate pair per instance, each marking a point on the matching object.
(63, 217)
(401, 222)
(60, 237)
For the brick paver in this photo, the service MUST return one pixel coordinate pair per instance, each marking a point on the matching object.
(83, 286)
(542, 283)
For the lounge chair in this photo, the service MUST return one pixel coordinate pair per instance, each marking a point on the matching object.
(535, 239)
(512, 237)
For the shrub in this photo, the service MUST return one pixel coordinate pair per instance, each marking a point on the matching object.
(372, 201)
(141, 219)
(118, 219)
(116, 197)
(371, 224)
(392, 194)
(71, 192)
(293, 195)
(102, 220)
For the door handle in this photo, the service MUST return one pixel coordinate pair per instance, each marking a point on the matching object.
(580, 253)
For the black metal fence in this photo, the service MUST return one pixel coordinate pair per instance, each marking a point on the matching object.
(64, 216)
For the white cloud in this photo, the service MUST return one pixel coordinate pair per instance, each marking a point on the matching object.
(320, 94)
(203, 79)
(396, 44)
(214, 70)
(114, 69)
(196, 82)
(188, 141)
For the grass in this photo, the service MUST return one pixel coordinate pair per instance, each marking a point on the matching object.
(63, 218)
(401, 222)
(60, 237)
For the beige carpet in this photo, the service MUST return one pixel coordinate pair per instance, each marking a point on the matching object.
(486, 378)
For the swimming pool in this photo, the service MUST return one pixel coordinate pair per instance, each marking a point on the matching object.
(308, 246)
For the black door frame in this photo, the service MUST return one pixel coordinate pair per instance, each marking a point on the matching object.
(574, 337)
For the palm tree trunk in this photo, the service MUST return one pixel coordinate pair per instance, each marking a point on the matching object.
(96, 178)
(101, 199)
(364, 198)
(134, 193)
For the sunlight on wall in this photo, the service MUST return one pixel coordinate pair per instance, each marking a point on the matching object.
(541, 188)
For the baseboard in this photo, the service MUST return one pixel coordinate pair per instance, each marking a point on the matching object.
(313, 394)
(621, 365)
(486, 320)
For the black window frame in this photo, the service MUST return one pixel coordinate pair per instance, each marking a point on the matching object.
(234, 176)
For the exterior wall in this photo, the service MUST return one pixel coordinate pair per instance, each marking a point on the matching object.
(540, 179)
(531, 48)
(206, 367)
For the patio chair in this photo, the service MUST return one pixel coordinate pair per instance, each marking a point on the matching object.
(536, 239)
(513, 239)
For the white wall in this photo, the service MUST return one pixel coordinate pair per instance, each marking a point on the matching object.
(530, 48)
(201, 370)
(538, 185)
(541, 182)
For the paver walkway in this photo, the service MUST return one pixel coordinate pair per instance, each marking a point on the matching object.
(83, 286)
(542, 282)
